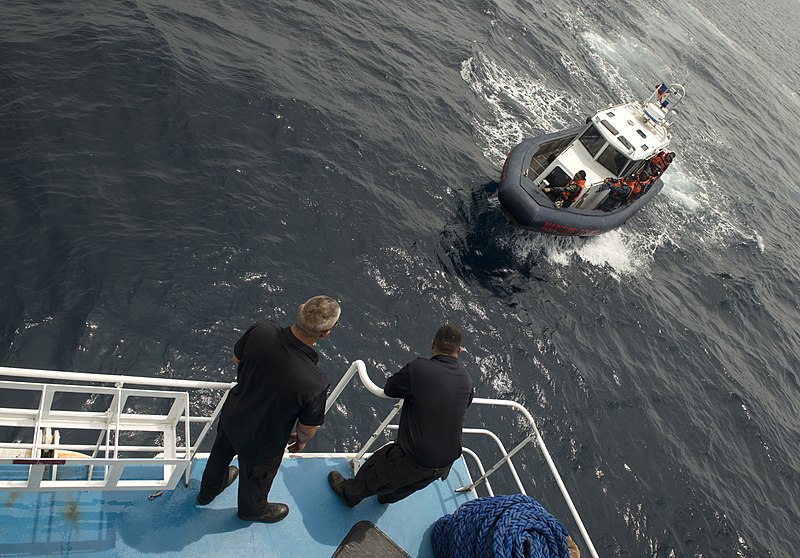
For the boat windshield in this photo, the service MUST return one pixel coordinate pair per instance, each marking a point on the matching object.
(592, 140)
(613, 160)
(633, 168)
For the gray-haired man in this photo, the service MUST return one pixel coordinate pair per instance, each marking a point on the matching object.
(278, 384)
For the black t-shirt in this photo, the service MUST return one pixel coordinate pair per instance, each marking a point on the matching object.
(437, 392)
(278, 383)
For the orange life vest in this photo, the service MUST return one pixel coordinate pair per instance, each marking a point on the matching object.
(658, 160)
(572, 195)
(635, 186)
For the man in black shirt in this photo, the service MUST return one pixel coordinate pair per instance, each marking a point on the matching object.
(436, 393)
(278, 384)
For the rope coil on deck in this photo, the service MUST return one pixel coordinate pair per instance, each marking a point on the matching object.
(514, 526)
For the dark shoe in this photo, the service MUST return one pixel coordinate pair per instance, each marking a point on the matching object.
(230, 476)
(336, 480)
(273, 514)
(382, 500)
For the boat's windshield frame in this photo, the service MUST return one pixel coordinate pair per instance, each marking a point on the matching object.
(603, 151)
(613, 160)
(592, 139)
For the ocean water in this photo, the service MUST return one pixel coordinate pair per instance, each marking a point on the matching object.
(172, 171)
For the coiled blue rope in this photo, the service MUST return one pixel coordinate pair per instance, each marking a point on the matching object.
(514, 526)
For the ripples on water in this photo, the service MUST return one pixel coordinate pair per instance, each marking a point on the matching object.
(171, 172)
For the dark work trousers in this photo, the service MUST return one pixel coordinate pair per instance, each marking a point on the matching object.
(255, 479)
(390, 474)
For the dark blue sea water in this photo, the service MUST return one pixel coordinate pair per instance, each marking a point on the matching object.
(172, 171)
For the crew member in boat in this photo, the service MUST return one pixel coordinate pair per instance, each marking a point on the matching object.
(637, 183)
(566, 195)
(436, 393)
(647, 181)
(618, 192)
(660, 161)
(278, 384)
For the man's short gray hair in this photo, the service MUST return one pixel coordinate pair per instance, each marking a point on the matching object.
(318, 314)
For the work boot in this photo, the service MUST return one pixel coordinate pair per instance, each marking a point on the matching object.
(230, 476)
(272, 514)
(336, 480)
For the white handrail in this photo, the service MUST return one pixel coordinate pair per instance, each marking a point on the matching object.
(111, 378)
(359, 367)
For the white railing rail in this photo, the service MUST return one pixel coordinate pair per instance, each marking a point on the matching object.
(358, 367)
(45, 455)
(43, 411)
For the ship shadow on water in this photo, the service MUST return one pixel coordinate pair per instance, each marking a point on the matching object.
(483, 247)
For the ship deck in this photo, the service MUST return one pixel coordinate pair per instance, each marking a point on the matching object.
(132, 523)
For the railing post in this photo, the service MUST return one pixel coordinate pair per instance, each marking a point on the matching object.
(113, 474)
(188, 446)
(37, 431)
(337, 391)
(354, 463)
(35, 474)
(211, 421)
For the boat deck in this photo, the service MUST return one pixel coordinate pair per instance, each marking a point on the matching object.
(130, 523)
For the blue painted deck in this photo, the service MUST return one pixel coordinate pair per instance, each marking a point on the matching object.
(123, 523)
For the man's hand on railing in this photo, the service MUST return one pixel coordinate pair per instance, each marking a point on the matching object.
(300, 437)
(294, 445)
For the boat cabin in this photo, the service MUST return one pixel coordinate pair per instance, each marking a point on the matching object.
(616, 142)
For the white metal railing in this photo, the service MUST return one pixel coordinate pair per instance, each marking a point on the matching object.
(358, 367)
(47, 463)
(35, 456)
